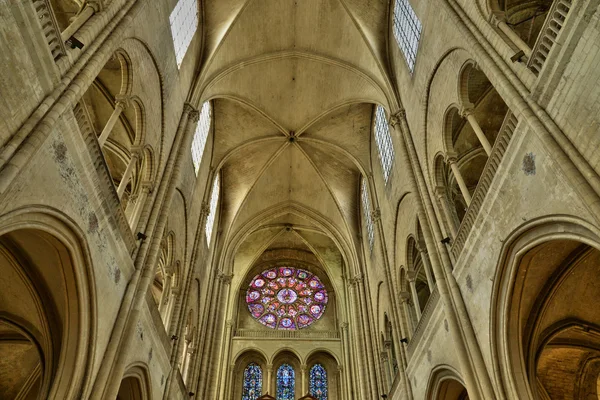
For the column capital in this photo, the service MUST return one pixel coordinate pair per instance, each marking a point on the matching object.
(357, 278)
(205, 209)
(136, 151)
(344, 326)
(397, 117)
(466, 111)
(225, 279)
(340, 368)
(404, 296)
(122, 101)
(147, 186)
(188, 108)
(376, 215)
(303, 368)
(387, 344)
(411, 276)
(383, 356)
(439, 191)
(96, 5)
(270, 367)
(497, 17)
(230, 323)
(451, 158)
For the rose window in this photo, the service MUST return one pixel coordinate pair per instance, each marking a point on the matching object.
(286, 298)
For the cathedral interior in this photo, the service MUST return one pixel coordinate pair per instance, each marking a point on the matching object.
(300, 199)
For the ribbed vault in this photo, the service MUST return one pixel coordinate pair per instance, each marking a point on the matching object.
(293, 97)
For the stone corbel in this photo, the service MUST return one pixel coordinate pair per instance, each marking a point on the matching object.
(411, 276)
(122, 101)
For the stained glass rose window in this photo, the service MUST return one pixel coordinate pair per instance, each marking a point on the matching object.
(286, 298)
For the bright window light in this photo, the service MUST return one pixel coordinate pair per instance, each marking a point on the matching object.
(407, 31)
(214, 200)
(201, 135)
(383, 139)
(366, 203)
(184, 22)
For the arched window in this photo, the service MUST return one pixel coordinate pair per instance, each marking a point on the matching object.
(366, 203)
(184, 22)
(383, 139)
(214, 200)
(407, 31)
(201, 135)
(252, 382)
(318, 382)
(286, 382)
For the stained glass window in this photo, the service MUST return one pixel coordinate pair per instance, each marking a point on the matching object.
(407, 31)
(366, 203)
(252, 382)
(214, 200)
(286, 381)
(184, 22)
(200, 136)
(383, 139)
(318, 382)
(286, 298)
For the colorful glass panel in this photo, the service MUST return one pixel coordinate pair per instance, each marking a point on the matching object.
(286, 298)
(252, 382)
(318, 382)
(286, 382)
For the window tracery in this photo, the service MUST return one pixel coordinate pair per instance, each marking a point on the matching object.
(214, 200)
(286, 298)
(383, 139)
(201, 135)
(184, 22)
(318, 382)
(252, 382)
(407, 31)
(286, 382)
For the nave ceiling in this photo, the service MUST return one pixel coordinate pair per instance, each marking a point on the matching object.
(293, 103)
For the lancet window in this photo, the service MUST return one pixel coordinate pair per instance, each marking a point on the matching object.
(318, 382)
(214, 200)
(252, 382)
(366, 204)
(184, 22)
(407, 31)
(383, 139)
(199, 141)
(286, 382)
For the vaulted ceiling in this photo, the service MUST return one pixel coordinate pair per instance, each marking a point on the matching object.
(293, 84)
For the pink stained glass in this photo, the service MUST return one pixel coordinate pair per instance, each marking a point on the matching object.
(286, 298)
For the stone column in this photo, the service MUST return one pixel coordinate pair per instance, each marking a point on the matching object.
(268, 388)
(139, 204)
(304, 387)
(512, 35)
(88, 10)
(441, 196)
(468, 115)
(404, 296)
(412, 282)
(459, 179)
(359, 346)
(120, 106)
(384, 367)
(135, 156)
(426, 267)
(345, 344)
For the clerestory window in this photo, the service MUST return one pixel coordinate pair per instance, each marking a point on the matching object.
(383, 139)
(366, 204)
(214, 200)
(407, 31)
(199, 141)
(184, 22)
